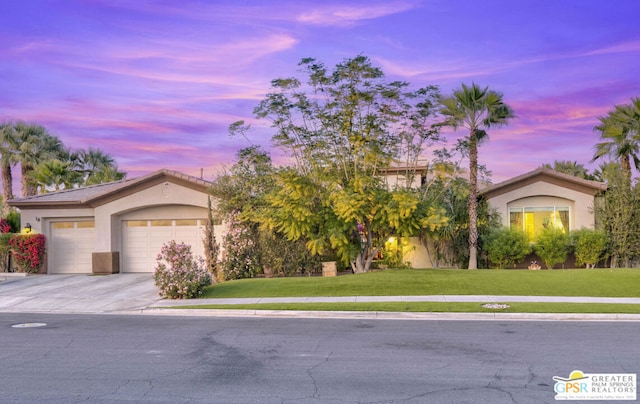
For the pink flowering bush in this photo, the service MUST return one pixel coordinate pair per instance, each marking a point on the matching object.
(178, 275)
(241, 259)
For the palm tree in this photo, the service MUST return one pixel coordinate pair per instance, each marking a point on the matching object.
(8, 145)
(93, 159)
(475, 109)
(98, 167)
(571, 168)
(620, 132)
(105, 174)
(35, 145)
(55, 173)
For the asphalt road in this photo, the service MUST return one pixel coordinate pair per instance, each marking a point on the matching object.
(109, 358)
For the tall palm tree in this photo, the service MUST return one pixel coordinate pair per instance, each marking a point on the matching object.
(8, 145)
(620, 132)
(35, 145)
(475, 109)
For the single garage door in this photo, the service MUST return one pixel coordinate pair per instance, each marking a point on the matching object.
(143, 239)
(72, 243)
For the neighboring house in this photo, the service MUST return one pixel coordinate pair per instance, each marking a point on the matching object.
(119, 226)
(544, 198)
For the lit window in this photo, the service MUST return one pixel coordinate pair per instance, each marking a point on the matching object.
(533, 220)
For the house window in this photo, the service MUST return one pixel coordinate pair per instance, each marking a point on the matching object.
(533, 220)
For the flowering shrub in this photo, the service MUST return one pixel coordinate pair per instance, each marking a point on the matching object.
(28, 251)
(241, 259)
(5, 226)
(178, 275)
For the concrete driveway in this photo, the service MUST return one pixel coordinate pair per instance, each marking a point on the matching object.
(78, 293)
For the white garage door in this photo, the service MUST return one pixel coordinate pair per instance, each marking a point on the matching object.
(143, 239)
(72, 243)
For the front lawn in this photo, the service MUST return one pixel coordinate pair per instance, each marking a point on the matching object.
(573, 282)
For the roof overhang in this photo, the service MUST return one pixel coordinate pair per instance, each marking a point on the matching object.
(549, 176)
(94, 196)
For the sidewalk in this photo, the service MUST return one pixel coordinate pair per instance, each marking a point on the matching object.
(431, 298)
(162, 308)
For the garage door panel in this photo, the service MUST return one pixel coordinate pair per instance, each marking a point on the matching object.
(71, 248)
(142, 243)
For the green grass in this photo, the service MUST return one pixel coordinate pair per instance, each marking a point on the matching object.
(436, 307)
(572, 282)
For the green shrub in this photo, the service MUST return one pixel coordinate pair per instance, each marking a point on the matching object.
(5, 251)
(590, 246)
(552, 246)
(506, 247)
(14, 220)
(178, 275)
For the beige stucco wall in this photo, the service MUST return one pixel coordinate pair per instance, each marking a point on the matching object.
(416, 254)
(40, 219)
(166, 200)
(543, 194)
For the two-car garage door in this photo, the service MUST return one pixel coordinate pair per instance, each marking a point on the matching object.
(73, 242)
(142, 240)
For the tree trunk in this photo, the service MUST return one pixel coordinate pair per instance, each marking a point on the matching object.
(473, 200)
(626, 167)
(28, 188)
(359, 264)
(7, 182)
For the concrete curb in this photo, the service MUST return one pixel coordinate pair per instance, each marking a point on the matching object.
(376, 315)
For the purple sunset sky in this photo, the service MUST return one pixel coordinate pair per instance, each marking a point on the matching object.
(157, 83)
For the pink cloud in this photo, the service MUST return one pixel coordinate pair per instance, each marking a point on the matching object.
(340, 14)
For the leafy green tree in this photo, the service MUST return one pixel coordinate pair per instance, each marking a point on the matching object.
(620, 134)
(475, 109)
(552, 246)
(507, 246)
(239, 193)
(618, 215)
(343, 128)
(243, 187)
(590, 246)
(571, 168)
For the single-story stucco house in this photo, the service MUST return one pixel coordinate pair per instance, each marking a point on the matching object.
(545, 198)
(119, 226)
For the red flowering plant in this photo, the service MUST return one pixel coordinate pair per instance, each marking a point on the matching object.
(5, 226)
(28, 251)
